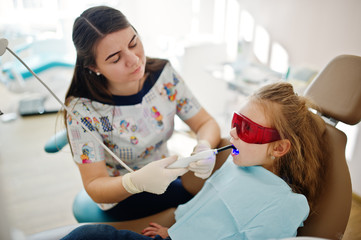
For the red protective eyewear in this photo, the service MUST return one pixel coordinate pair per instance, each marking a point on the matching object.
(251, 132)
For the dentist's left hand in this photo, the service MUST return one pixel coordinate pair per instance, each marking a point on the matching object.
(203, 168)
(153, 177)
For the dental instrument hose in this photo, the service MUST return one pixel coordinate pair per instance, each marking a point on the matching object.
(3, 47)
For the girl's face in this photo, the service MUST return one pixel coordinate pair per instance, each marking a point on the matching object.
(252, 154)
(120, 58)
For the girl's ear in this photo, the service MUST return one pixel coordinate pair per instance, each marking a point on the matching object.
(281, 147)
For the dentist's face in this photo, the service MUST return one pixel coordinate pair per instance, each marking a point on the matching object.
(120, 58)
(251, 154)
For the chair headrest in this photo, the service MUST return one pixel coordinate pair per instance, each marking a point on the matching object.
(337, 89)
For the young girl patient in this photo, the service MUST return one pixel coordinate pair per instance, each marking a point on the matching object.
(268, 189)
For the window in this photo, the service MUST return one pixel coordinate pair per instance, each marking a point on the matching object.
(232, 20)
(279, 58)
(246, 26)
(261, 44)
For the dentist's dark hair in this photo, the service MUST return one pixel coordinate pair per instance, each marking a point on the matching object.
(89, 29)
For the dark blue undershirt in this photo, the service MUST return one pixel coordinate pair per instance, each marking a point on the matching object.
(138, 97)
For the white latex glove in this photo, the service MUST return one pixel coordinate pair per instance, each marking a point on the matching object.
(202, 168)
(153, 177)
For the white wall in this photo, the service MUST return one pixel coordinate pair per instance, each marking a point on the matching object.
(313, 32)
(158, 22)
(354, 163)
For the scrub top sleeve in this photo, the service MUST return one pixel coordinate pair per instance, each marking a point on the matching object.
(186, 103)
(84, 147)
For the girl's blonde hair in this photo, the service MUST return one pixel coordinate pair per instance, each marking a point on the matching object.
(303, 167)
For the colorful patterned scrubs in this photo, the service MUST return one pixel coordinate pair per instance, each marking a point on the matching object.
(137, 133)
(136, 128)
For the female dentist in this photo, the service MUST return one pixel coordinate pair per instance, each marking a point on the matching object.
(129, 102)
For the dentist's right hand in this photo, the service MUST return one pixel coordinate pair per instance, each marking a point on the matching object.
(153, 177)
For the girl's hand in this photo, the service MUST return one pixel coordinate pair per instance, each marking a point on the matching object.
(155, 229)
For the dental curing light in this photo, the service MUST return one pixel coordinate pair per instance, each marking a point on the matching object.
(184, 162)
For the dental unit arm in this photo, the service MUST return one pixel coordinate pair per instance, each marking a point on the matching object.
(185, 161)
(4, 46)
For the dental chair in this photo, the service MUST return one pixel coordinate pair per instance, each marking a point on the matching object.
(337, 90)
